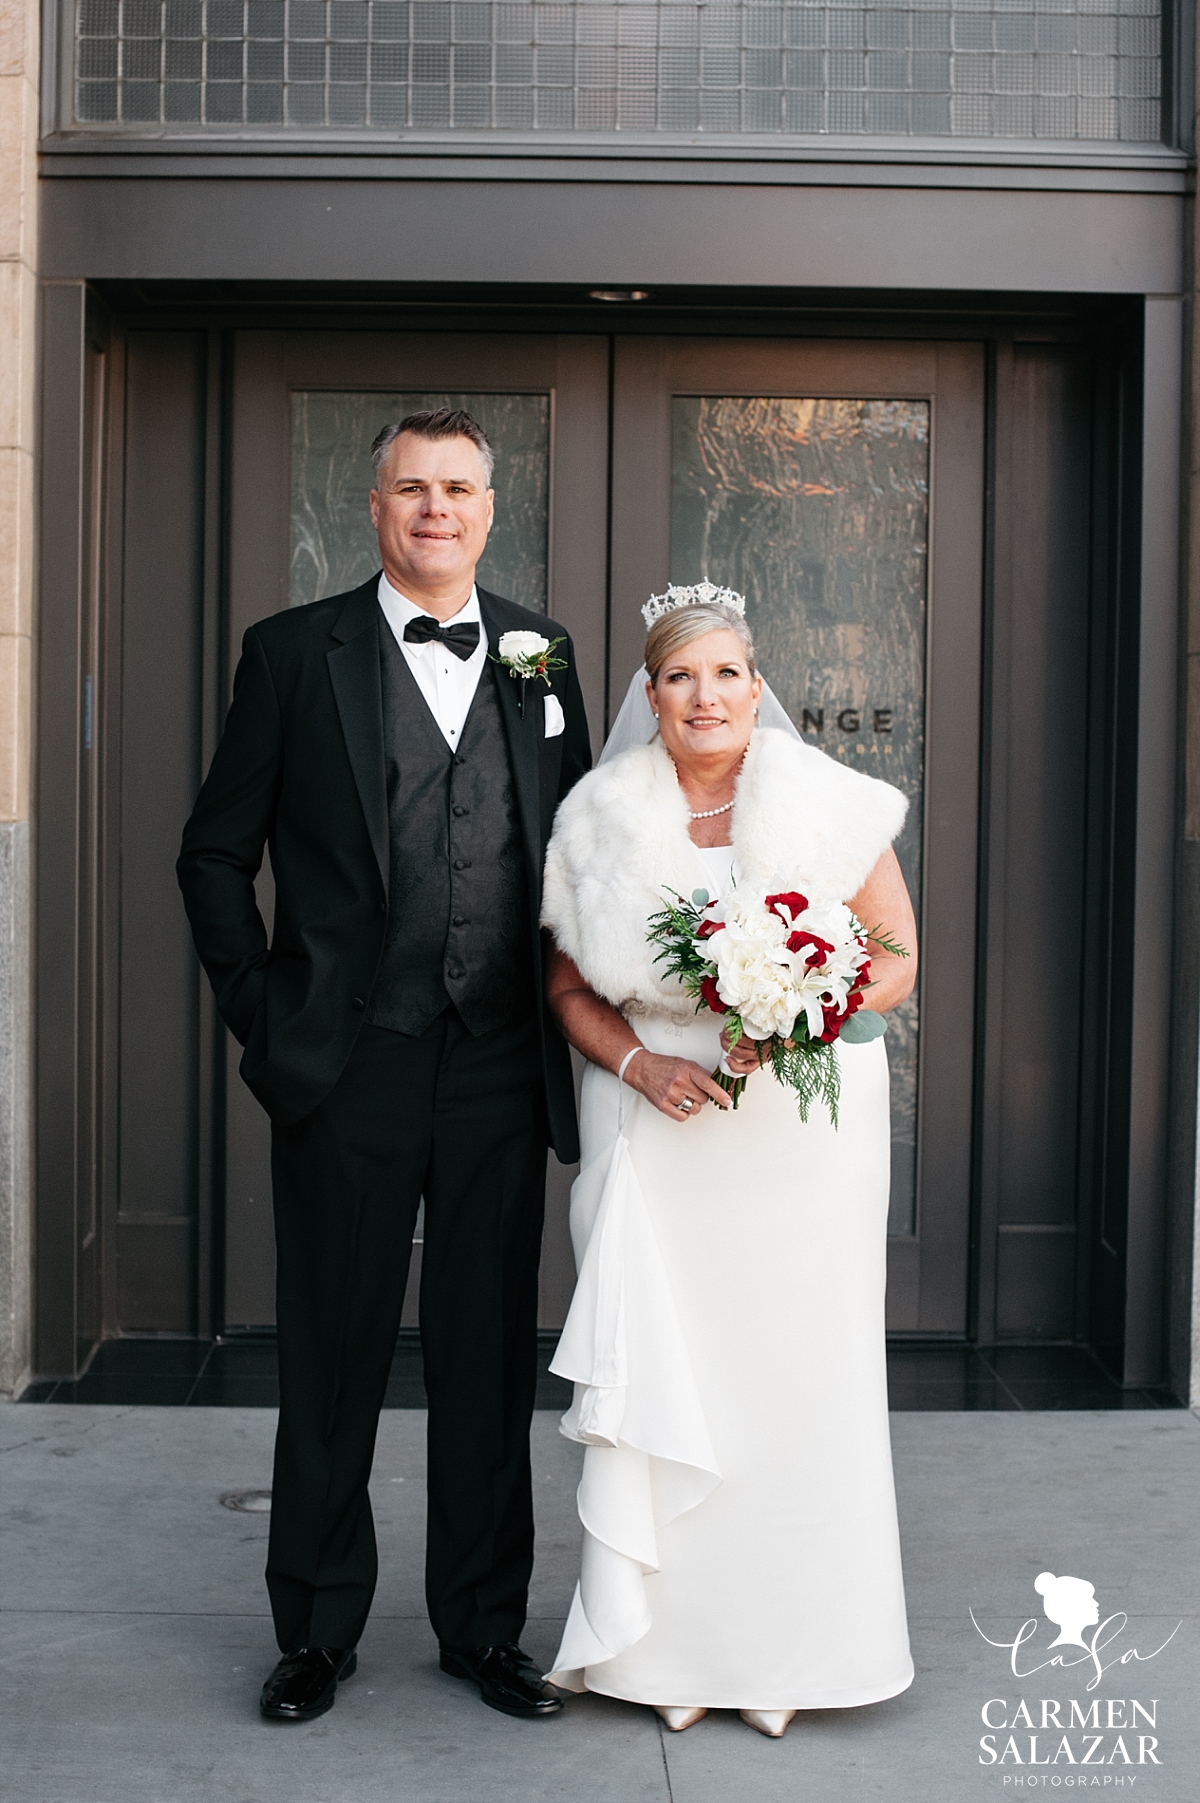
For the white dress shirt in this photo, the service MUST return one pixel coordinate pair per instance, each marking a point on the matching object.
(448, 683)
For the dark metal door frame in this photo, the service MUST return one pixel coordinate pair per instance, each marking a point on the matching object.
(69, 1055)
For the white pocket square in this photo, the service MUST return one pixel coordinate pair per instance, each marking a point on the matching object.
(555, 719)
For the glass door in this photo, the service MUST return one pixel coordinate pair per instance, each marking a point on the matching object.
(839, 486)
(306, 408)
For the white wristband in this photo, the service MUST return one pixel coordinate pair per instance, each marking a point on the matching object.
(627, 1061)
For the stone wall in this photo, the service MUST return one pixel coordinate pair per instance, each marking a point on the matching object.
(1183, 1244)
(19, 42)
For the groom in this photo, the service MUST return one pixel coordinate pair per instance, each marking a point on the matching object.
(394, 1031)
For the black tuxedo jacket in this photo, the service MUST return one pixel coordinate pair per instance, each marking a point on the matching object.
(300, 769)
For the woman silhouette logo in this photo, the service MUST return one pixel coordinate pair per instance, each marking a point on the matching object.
(1070, 1603)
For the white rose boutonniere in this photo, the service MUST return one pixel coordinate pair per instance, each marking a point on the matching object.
(527, 654)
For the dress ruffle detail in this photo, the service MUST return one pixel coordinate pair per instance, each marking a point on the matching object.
(636, 1408)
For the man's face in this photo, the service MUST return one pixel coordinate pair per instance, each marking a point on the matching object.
(432, 510)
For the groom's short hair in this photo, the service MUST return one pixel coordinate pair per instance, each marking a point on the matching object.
(435, 422)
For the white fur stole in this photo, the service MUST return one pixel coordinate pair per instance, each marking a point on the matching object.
(620, 845)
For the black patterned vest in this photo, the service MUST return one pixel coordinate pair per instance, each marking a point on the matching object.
(458, 898)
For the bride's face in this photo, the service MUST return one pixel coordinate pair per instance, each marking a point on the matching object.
(705, 699)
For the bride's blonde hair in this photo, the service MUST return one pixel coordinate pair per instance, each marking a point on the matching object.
(683, 624)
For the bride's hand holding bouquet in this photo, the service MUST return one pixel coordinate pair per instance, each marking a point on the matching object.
(677, 1087)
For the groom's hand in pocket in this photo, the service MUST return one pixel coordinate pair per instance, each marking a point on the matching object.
(677, 1087)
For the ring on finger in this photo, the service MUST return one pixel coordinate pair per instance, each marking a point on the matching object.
(686, 1105)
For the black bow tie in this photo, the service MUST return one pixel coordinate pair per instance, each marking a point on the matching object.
(461, 639)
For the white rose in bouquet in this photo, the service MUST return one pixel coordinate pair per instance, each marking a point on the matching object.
(754, 981)
(754, 923)
(771, 1011)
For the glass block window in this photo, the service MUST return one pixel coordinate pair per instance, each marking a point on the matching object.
(1058, 69)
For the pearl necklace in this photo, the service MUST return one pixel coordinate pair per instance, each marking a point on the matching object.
(708, 813)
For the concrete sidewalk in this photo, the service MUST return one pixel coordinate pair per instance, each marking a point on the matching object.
(135, 1630)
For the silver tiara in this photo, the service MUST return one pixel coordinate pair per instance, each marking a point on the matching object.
(702, 594)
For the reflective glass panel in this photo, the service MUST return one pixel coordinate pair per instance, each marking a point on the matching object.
(332, 543)
(818, 512)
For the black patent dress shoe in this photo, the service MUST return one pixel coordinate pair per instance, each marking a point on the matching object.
(507, 1678)
(304, 1684)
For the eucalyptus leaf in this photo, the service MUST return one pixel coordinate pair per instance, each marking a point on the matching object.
(863, 1027)
(700, 898)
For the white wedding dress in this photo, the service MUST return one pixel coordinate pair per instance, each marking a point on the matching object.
(726, 1342)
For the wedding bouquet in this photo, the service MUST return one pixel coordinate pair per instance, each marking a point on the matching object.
(784, 971)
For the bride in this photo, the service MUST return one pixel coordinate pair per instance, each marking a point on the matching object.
(740, 1548)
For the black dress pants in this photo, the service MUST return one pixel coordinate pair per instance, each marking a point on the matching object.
(461, 1121)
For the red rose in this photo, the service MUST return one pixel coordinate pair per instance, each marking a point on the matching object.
(835, 1019)
(821, 948)
(792, 900)
(864, 975)
(707, 928)
(711, 995)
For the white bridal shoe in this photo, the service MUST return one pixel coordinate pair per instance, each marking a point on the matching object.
(771, 1722)
(677, 1717)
